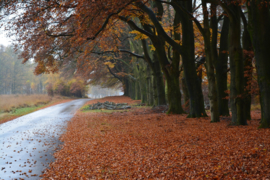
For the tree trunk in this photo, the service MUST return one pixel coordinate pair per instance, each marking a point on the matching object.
(260, 37)
(210, 55)
(171, 72)
(185, 93)
(126, 87)
(237, 67)
(196, 101)
(221, 70)
(149, 88)
(160, 89)
(174, 95)
(248, 56)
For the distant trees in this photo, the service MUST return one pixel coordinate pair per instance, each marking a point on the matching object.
(16, 78)
(56, 85)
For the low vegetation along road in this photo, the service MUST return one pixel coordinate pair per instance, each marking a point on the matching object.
(27, 143)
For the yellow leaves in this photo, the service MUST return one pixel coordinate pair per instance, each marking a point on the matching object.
(178, 42)
(152, 47)
(168, 29)
(138, 35)
(110, 64)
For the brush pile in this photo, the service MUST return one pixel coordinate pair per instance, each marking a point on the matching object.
(109, 105)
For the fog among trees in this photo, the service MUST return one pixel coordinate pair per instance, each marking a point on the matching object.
(18, 78)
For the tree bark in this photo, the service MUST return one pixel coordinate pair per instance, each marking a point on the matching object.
(160, 89)
(221, 70)
(171, 72)
(196, 101)
(248, 69)
(185, 93)
(210, 55)
(236, 66)
(260, 28)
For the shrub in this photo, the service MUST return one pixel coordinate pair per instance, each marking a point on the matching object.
(49, 89)
(77, 88)
(60, 88)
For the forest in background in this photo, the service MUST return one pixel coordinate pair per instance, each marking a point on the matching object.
(16, 78)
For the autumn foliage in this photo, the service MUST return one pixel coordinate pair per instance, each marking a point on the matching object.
(143, 144)
(61, 86)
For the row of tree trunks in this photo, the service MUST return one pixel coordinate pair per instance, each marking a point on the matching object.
(217, 82)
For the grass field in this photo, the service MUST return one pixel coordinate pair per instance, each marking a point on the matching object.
(13, 106)
(9, 103)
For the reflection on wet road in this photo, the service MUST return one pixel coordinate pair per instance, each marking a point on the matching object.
(27, 143)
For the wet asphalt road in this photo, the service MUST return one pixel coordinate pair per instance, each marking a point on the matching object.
(27, 143)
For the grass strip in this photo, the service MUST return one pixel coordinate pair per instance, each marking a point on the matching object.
(4, 117)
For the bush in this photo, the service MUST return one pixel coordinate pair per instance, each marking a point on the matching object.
(61, 88)
(74, 87)
(77, 88)
(49, 88)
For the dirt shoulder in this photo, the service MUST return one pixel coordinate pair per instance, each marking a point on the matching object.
(143, 144)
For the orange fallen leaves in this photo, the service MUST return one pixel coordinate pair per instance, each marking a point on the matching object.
(159, 146)
(115, 99)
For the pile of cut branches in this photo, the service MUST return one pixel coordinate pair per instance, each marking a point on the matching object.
(109, 105)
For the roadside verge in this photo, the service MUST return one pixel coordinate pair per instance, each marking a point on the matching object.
(18, 112)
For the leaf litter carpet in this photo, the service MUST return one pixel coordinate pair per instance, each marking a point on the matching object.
(144, 144)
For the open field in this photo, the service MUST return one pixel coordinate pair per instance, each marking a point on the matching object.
(9, 102)
(143, 144)
(13, 106)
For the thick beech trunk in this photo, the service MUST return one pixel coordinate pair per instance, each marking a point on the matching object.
(126, 87)
(160, 89)
(172, 77)
(174, 95)
(237, 68)
(149, 87)
(185, 93)
(196, 101)
(261, 42)
(221, 70)
(137, 90)
(210, 55)
(248, 56)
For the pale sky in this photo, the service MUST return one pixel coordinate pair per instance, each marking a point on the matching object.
(3, 39)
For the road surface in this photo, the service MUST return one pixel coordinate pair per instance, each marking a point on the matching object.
(27, 143)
